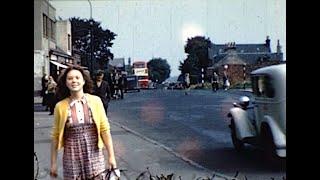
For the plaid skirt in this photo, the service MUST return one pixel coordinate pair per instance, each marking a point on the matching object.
(82, 159)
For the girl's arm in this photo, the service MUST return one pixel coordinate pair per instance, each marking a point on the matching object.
(53, 169)
(107, 140)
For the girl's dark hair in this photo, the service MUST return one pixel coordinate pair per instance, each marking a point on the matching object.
(62, 89)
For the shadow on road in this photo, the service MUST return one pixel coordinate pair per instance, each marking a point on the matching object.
(227, 160)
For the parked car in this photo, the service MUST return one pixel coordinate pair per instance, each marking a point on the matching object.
(131, 83)
(262, 121)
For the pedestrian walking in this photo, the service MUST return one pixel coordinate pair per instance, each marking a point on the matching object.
(81, 128)
(121, 84)
(214, 82)
(51, 90)
(44, 92)
(101, 88)
(187, 83)
(226, 82)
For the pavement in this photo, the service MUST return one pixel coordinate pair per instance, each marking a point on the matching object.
(135, 153)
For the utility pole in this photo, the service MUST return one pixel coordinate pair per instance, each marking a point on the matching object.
(202, 77)
(91, 39)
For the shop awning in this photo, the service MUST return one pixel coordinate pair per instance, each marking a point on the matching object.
(59, 64)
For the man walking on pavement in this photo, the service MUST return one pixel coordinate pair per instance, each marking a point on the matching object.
(102, 89)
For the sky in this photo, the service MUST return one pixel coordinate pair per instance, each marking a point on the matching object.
(149, 29)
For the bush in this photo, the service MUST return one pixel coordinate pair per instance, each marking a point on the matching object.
(241, 85)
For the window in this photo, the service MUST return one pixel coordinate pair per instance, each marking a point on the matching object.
(263, 86)
(44, 25)
(139, 65)
(69, 42)
(53, 30)
(49, 28)
(142, 77)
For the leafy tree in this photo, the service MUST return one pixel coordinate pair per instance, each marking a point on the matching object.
(198, 46)
(83, 31)
(197, 57)
(159, 69)
(190, 65)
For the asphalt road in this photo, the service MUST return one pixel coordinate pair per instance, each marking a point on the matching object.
(194, 126)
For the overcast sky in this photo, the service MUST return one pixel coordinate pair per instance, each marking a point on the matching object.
(160, 28)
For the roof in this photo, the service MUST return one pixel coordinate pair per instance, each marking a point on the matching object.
(240, 48)
(274, 70)
(231, 58)
(252, 58)
(250, 53)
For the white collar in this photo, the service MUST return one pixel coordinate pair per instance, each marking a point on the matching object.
(73, 101)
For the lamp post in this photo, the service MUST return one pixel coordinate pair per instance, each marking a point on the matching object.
(244, 76)
(90, 9)
(91, 39)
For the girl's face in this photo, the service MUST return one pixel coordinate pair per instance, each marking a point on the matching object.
(75, 81)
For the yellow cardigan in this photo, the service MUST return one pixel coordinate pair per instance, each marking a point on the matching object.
(61, 114)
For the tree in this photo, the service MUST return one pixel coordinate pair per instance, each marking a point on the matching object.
(159, 70)
(190, 65)
(83, 31)
(197, 55)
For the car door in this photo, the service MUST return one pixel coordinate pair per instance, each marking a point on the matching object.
(263, 91)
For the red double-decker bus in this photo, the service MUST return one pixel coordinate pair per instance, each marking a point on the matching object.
(140, 69)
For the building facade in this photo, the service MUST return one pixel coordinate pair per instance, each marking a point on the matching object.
(241, 59)
(52, 43)
(250, 53)
(44, 39)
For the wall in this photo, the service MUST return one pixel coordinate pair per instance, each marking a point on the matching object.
(37, 33)
(63, 29)
(41, 44)
(39, 64)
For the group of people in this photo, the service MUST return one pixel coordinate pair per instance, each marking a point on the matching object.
(112, 88)
(105, 88)
(117, 81)
(214, 82)
(81, 127)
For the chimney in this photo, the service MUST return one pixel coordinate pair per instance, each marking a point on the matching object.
(268, 44)
(278, 47)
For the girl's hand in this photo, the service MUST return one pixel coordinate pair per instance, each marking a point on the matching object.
(112, 163)
(53, 171)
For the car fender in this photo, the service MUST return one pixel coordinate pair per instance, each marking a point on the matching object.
(243, 126)
(279, 137)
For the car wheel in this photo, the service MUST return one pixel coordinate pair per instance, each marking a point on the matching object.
(268, 144)
(238, 144)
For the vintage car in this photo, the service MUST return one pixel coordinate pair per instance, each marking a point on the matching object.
(131, 83)
(262, 120)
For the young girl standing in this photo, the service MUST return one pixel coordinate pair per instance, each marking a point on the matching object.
(81, 128)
